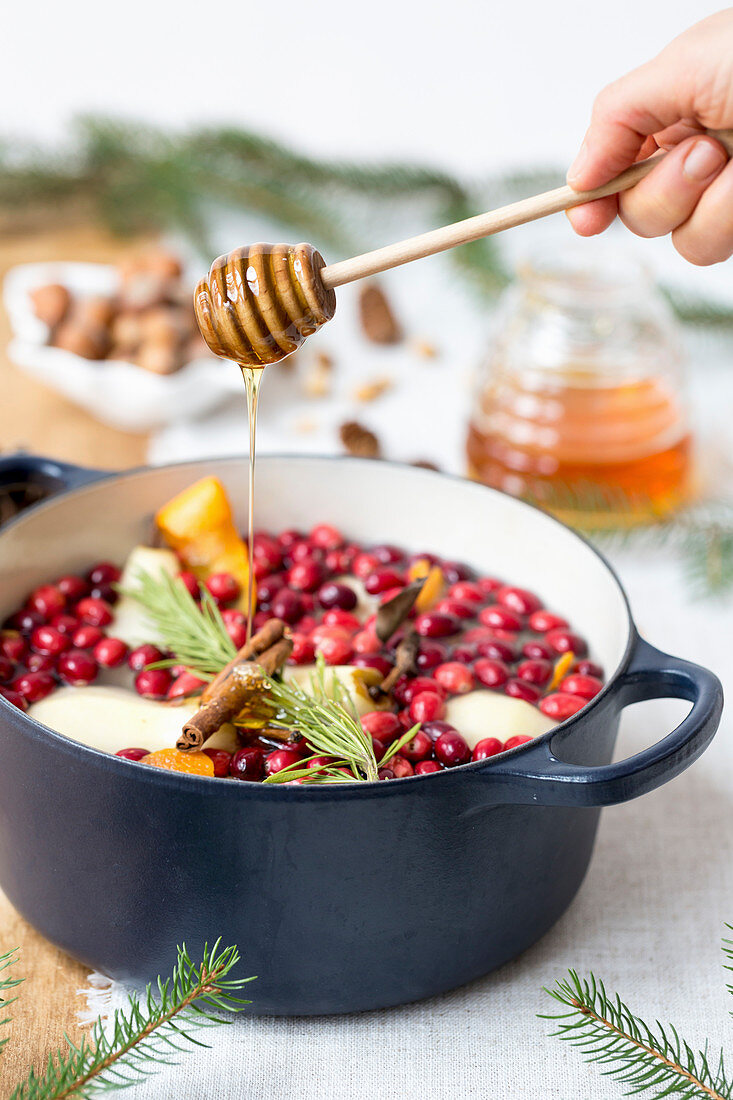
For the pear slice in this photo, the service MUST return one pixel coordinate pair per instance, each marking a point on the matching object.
(131, 623)
(480, 714)
(354, 682)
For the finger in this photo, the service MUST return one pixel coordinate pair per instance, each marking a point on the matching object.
(668, 196)
(673, 135)
(593, 217)
(707, 236)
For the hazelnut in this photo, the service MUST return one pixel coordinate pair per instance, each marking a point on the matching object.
(126, 332)
(50, 303)
(163, 324)
(93, 312)
(88, 341)
(158, 358)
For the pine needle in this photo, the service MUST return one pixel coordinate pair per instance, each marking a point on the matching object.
(146, 1035)
(10, 958)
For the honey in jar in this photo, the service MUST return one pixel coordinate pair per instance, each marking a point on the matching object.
(579, 405)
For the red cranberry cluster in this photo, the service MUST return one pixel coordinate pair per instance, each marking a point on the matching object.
(481, 633)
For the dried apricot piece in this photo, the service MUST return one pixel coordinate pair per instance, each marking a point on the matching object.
(190, 763)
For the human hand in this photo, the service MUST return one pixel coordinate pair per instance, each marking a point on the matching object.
(668, 103)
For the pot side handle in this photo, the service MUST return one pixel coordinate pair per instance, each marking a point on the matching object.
(46, 474)
(534, 775)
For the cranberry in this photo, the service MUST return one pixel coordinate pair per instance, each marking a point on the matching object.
(221, 761)
(387, 555)
(94, 612)
(413, 687)
(110, 652)
(430, 655)
(420, 747)
(12, 645)
(381, 580)
(427, 707)
(491, 673)
(518, 600)
(537, 651)
(520, 689)
(400, 767)
(455, 571)
(326, 537)
(279, 759)
(34, 686)
(385, 773)
(26, 620)
(336, 595)
(305, 551)
(307, 575)
(133, 754)
(459, 608)
(561, 705)
(587, 687)
(516, 741)
(236, 625)
(47, 600)
(77, 667)
(268, 588)
(41, 662)
(588, 668)
(85, 637)
(304, 651)
(7, 669)
(489, 746)
(66, 624)
(379, 748)
(335, 647)
(451, 749)
(259, 619)
(190, 583)
(535, 672)
(223, 587)
(46, 639)
(456, 678)
(104, 572)
(344, 619)
(267, 553)
(289, 537)
(185, 683)
(14, 697)
(434, 624)
(248, 763)
(564, 641)
(465, 654)
(499, 617)
(381, 724)
(339, 561)
(106, 592)
(142, 656)
(153, 683)
(389, 594)
(372, 660)
(476, 634)
(363, 565)
(318, 761)
(434, 729)
(467, 591)
(426, 767)
(489, 585)
(542, 621)
(74, 588)
(497, 650)
(287, 606)
(366, 641)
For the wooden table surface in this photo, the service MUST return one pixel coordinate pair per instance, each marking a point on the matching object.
(36, 418)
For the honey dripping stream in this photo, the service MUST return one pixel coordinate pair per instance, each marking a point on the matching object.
(252, 380)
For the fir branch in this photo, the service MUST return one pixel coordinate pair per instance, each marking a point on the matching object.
(146, 1035)
(10, 958)
(195, 635)
(606, 1032)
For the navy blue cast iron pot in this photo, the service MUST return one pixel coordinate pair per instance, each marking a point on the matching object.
(339, 898)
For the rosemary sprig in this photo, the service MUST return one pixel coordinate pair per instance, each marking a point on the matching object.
(658, 1061)
(196, 636)
(146, 1035)
(7, 960)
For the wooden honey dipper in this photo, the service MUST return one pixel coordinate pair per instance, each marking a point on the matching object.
(259, 303)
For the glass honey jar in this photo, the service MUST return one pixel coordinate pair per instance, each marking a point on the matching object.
(579, 405)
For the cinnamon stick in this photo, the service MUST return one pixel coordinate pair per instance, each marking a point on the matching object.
(229, 692)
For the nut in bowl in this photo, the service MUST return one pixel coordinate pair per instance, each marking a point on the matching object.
(120, 342)
(364, 874)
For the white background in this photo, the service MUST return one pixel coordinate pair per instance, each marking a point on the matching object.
(475, 85)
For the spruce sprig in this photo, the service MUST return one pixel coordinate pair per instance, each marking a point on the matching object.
(650, 1060)
(10, 958)
(146, 1035)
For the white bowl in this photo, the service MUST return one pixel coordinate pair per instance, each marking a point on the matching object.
(116, 392)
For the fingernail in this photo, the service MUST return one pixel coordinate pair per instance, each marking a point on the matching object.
(578, 164)
(702, 161)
